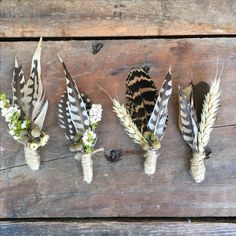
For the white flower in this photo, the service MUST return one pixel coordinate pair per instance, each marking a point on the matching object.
(12, 132)
(24, 125)
(1, 104)
(95, 113)
(4, 111)
(89, 137)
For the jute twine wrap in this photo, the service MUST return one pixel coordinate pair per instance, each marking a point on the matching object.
(197, 168)
(150, 161)
(32, 158)
(87, 164)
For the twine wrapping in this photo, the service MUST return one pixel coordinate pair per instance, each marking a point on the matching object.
(197, 168)
(32, 158)
(150, 161)
(87, 164)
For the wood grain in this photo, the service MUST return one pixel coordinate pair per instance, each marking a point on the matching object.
(59, 18)
(121, 188)
(136, 228)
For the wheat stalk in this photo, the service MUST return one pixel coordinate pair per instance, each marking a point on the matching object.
(208, 116)
(125, 119)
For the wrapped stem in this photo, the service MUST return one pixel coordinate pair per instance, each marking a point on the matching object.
(150, 161)
(197, 168)
(87, 166)
(32, 158)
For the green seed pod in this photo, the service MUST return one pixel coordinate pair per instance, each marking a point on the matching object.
(147, 134)
(145, 146)
(153, 138)
(156, 145)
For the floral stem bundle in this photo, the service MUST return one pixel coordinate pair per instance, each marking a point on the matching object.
(79, 119)
(145, 115)
(25, 115)
(198, 108)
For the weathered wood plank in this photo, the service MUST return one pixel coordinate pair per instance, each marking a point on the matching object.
(98, 228)
(122, 189)
(116, 18)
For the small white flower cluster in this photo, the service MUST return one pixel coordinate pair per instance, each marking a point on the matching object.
(89, 138)
(9, 112)
(95, 113)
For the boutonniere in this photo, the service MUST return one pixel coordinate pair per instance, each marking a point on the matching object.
(79, 119)
(145, 115)
(26, 113)
(198, 105)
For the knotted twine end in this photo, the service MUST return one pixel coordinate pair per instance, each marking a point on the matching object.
(32, 158)
(150, 161)
(197, 168)
(87, 164)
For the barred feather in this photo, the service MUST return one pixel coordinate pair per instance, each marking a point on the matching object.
(76, 105)
(18, 83)
(64, 118)
(158, 119)
(39, 120)
(187, 122)
(141, 96)
(34, 95)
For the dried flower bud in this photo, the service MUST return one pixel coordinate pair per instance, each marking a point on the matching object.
(35, 132)
(34, 146)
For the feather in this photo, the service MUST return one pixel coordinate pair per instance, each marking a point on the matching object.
(39, 120)
(157, 121)
(141, 96)
(187, 123)
(18, 83)
(34, 95)
(76, 105)
(64, 118)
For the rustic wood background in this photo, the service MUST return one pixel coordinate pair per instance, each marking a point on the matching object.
(193, 34)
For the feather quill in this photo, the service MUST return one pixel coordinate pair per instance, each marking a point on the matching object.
(159, 115)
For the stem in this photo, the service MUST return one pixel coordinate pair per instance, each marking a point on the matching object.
(197, 168)
(150, 161)
(32, 158)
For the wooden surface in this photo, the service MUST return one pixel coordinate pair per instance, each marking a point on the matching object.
(117, 228)
(121, 188)
(59, 18)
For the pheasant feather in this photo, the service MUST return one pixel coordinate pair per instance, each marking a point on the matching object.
(65, 121)
(159, 115)
(76, 105)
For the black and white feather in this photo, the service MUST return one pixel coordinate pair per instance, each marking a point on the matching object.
(187, 118)
(158, 119)
(30, 95)
(73, 109)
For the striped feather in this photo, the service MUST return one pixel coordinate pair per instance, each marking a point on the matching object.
(64, 118)
(187, 122)
(34, 95)
(39, 120)
(76, 105)
(157, 121)
(18, 82)
(141, 96)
